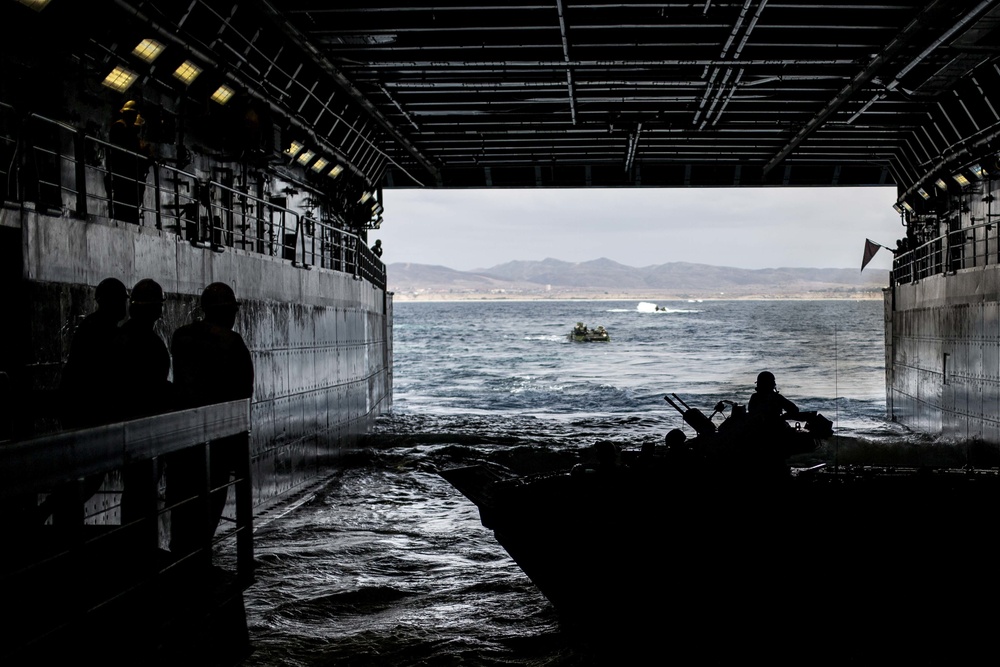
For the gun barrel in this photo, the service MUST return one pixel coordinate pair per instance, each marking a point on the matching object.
(673, 405)
(681, 401)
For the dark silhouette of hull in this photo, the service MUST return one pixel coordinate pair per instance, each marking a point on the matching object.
(713, 563)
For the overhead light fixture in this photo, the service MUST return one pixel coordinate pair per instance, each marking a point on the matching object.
(960, 179)
(320, 165)
(907, 206)
(336, 171)
(148, 50)
(898, 208)
(923, 193)
(223, 94)
(294, 148)
(120, 79)
(978, 172)
(306, 156)
(365, 197)
(377, 209)
(37, 5)
(187, 72)
(941, 184)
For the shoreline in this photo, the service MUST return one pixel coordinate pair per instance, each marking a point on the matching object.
(481, 298)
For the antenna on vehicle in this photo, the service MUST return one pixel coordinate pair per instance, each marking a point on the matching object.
(836, 401)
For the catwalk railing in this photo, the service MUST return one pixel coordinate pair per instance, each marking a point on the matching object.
(89, 514)
(965, 248)
(60, 167)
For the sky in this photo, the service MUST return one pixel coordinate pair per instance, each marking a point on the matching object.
(750, 228)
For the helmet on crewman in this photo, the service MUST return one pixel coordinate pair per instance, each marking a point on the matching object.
(110, 289)
(218, 295)
(131, 105)
(146, 292)
(765, 380)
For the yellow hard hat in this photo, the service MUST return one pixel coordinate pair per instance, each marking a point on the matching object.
(130, 106)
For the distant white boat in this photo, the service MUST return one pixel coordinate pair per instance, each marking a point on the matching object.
(647, 307)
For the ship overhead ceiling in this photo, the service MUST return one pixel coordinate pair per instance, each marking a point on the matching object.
(574, 93)
(587, 93)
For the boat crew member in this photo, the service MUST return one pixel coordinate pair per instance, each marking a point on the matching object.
(766, 403)
(377, 248)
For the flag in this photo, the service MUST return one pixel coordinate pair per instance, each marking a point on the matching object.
(870, 249)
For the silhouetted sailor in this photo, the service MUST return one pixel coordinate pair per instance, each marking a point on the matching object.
(87, 389)
(128, 163)
(87, 393)
(143, 369)
(211, 362)
(211, 365)
(766, 403)
(377, 248)
(143, 359)
(769, 436)
(607, 455)
(678, 450)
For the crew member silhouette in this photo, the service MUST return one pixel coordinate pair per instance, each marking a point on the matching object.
(87, 393)
(769, 434)
(144, 362)
(144, 389)
(766, 404)
(377, 248)
(87, 389)
(211, 365)
(128, 162)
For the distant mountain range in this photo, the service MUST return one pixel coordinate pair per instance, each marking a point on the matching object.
(604, 278)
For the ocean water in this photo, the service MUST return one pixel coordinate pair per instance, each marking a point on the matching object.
(387, 564)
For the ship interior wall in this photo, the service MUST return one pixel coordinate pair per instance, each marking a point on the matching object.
(942, 314)
(320, 339)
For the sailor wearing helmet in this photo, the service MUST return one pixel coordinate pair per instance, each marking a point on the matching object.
(211, 365)
(766, 403)
(128, 162)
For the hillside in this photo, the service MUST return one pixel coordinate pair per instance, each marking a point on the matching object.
(604, 278)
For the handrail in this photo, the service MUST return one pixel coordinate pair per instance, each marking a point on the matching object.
(972, 246)
(32, 466)
(208, 213)
(67, 573)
